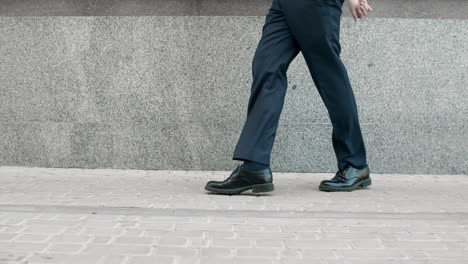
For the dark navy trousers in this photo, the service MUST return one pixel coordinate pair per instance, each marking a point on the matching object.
(311, 27)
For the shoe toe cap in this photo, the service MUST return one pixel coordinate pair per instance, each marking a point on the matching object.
(327, 182)
(213, 184)
(330, 183)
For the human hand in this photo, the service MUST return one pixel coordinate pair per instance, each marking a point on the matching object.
(359, 8)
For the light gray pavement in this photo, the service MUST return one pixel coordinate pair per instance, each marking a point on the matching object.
(58, 215)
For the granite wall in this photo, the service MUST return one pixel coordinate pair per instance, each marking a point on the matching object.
(165, 85)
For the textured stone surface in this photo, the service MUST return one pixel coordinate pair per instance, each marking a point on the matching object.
(141, 191)
(55, 215)
(172, 92)
(381, 8)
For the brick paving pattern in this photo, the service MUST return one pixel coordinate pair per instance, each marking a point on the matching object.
(58, 215)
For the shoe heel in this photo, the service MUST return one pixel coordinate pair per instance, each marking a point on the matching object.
(366, 183)
(267, 187)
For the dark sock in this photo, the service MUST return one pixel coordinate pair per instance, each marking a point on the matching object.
(253, 166)
(361, 167)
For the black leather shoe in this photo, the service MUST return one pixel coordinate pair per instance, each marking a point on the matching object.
(242, 180)
(347, 180)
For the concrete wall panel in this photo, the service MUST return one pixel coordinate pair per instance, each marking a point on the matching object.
(171, 92)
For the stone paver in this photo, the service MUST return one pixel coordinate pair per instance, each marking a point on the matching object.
(55, 215)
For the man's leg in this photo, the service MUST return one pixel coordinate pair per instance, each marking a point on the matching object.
(316, 26)
(275, 51)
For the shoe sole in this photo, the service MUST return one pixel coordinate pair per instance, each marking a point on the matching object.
(256, 188)
(361, 184)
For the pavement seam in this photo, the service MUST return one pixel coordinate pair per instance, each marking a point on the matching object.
(182, 212)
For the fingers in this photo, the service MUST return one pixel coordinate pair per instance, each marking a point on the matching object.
(358, 12)
(353, 12)
(366, 5)
(361, 10)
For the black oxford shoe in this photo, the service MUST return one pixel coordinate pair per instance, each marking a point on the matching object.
(242, 180)
(347, 180)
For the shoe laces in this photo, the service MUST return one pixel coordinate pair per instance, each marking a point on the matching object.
(341, 174)
(232, 174)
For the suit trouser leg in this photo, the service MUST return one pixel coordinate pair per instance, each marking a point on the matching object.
(315, 24)
(275, 51)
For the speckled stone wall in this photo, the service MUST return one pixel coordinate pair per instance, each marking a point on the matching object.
(382, 8)
(170, 92)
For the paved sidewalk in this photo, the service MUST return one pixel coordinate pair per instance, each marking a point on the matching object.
(55, 215)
